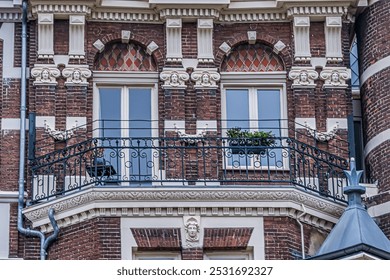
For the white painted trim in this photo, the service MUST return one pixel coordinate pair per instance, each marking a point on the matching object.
(375, 68)
(8, 196)
(206, 125)
(74, 122)
(379, 210)
(257, 223)
(7, 33)
(301, 122)
(249, 78)
(173, 125)
(133, 78)
(129, 245)
(4, 230)
(11, 124)
(131, 202)
(341, 123)
(376, 141)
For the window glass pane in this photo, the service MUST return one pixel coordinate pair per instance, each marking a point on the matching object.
(140, 112)
(268, 110)
(109, 126)
(140, 162)
(269, 114)
(110, 112)
(237, 112)
(237, 108)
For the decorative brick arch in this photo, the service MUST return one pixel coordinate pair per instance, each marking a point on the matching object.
(118, 56)
(116, 37)
(266, 40)
(252, 58)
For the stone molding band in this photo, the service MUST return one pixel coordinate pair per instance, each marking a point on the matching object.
(374, 69)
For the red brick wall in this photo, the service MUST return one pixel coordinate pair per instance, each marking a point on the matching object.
(373, 39)
(282, 237)
(95, 239)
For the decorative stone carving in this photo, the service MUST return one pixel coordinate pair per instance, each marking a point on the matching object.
(303, 77)
(125, 34)
(151, 47)
(76, 36)
(58, 135)
(333, 39)
(174, 79)
(76, 76)
(192, 229)
(252, 37)
(205, 40)
(302, 38)
(89, 201)
(45, 35)
(335, 77)
(45, 75)
(205, 78)
(225, 47)
(99, 45)
(322, 136)
(279, 46)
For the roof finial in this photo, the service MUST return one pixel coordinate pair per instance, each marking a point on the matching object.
(353, 189)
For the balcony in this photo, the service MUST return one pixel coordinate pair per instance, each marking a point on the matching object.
(95, 158)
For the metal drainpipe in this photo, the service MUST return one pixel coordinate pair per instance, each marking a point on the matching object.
(21, 229)
(302, 233)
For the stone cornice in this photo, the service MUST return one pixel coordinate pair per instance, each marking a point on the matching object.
(61, 9)
(243, 11)
(143, 202)
(10, 15)
(146, 16)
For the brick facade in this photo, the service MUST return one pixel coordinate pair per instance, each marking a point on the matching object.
(372, 38)
(100, 237)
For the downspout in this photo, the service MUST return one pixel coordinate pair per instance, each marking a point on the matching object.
(302, 233)
(21, 229)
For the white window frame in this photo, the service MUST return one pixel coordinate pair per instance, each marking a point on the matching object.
(254, 81)
(156, 255)
(126, 80)
(229, 255)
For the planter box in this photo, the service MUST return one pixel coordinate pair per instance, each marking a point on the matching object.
(246, 147)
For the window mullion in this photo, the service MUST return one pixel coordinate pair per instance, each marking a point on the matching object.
(253, 115)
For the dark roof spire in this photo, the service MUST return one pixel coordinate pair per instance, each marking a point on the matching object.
(356, 232)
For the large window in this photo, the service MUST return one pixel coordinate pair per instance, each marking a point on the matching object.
(125, 124)
(255, 109)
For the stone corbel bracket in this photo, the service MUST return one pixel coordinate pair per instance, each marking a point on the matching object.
(174, 78)
(335, 77)
(322, 136)
(191, 139)
(45, 75)
(58, 135)
(76, 76)
(303, 77)
(205, 78)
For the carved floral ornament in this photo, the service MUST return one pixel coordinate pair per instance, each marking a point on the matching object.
(47, 75)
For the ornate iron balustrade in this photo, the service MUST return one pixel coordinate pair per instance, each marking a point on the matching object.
(196, 162)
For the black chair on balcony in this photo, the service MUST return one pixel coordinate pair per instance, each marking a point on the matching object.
(101, 169)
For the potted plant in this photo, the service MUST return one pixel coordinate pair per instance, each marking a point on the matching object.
(244, 141)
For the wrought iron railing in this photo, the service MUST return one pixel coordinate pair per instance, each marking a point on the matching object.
(187, 162)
